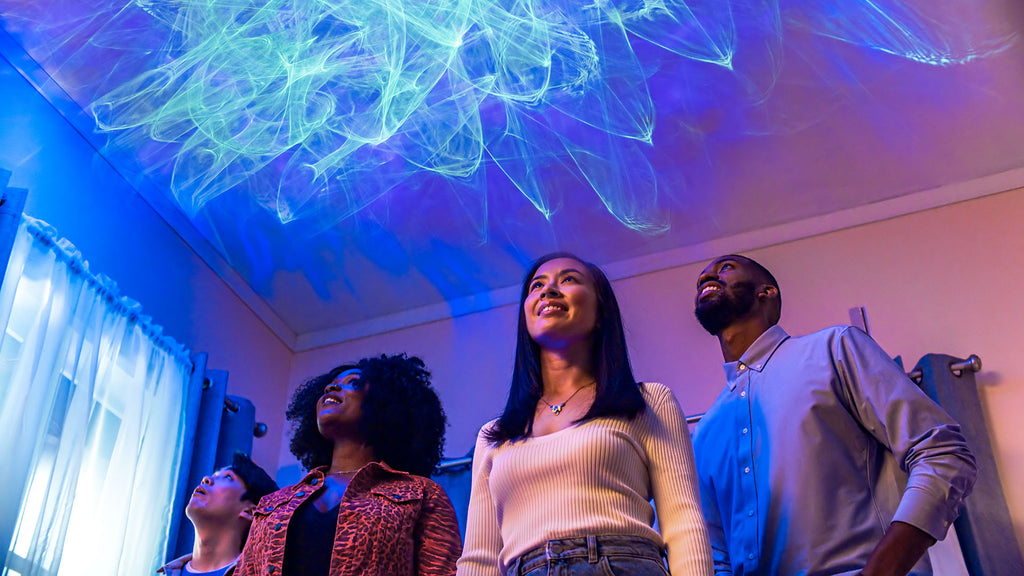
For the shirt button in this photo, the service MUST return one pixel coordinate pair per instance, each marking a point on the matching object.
(746, 470)
(741, 368)
(743, 394)
(750, 556)
(750, 512)
(744, 431)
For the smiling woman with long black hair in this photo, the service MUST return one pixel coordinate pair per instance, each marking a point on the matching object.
(370, 434)
(563, 480)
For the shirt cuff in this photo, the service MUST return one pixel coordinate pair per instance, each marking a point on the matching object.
(926, 512)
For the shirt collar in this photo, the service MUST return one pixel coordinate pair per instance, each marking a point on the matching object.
(757, 355)
(319, 472)
(176, 564)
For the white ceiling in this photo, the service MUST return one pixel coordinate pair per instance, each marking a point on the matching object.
(840, 107)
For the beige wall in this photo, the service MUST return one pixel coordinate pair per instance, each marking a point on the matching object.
(944, 280)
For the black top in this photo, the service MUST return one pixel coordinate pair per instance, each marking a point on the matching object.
(310, 541)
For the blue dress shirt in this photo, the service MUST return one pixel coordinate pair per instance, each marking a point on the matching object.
(814, 447)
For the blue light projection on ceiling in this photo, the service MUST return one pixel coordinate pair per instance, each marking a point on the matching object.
(332, 104)
(363, 147)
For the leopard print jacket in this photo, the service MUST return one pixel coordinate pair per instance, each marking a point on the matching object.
(390, 523)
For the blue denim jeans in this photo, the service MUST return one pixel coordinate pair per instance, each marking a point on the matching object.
(592, 556)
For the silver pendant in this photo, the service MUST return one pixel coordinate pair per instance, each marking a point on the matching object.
(557, 408)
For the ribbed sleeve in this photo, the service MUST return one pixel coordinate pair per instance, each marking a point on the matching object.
(595, 478)
(483, 535)
(674, 487)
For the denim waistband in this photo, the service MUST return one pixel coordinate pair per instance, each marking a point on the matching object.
(590, 547)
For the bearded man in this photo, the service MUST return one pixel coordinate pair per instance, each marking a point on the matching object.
(820, 456)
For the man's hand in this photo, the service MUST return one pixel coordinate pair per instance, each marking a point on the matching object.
(901, 547)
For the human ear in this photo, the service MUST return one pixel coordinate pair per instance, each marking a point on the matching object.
(246, 513)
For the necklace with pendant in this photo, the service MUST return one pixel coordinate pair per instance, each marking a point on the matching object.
(556, 409)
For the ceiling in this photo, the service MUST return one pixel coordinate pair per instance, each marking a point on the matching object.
(353, 161)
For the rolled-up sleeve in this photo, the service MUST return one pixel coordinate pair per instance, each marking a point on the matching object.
(926, 442)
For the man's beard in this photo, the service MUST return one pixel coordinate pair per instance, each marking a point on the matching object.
(716, 313)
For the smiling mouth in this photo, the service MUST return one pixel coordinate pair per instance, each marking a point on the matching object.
(709, 288)
(330, 400)
(551, 307)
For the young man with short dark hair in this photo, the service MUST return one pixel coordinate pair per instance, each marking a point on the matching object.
(221, 513)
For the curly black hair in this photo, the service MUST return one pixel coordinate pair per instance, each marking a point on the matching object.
(402, 421)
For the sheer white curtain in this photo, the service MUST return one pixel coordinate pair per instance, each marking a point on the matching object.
(92, 400)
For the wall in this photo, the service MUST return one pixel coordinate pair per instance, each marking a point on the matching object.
(943, 280)
(75, 190)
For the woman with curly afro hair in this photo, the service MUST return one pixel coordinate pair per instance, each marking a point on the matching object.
(369, 433)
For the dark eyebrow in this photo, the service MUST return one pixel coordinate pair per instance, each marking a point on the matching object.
(560, 274)
(726, 261)
(715, 264)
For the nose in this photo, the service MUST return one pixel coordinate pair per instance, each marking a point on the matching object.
(332, 387)
(207, 481)
(706, 276)
(550, 289)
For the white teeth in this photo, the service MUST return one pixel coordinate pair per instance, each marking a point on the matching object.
(551, 307)
(709, 288)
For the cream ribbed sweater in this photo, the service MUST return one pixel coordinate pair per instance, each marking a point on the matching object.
(594, 478)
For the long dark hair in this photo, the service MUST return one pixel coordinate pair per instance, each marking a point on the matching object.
(402, 421)
(618, 392)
